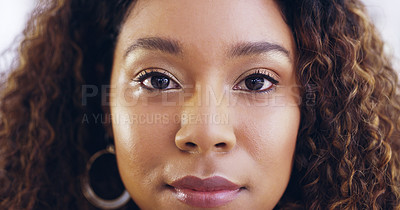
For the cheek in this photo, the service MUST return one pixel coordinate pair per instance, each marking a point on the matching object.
(142, 139)
(269, 136)
(143, 129)
(145, 142)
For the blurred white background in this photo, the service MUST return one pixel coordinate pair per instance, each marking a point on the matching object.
(14, 14)
(386, 16)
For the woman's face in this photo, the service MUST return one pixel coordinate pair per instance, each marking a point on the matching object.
(204, 104)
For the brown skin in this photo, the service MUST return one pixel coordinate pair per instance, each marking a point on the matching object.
(347, 150)
(254, 148)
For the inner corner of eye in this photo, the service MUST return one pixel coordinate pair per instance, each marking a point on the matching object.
(237, 86)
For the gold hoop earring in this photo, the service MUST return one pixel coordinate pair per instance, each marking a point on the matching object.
(90, 193)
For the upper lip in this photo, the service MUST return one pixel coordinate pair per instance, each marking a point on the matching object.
(215, 183)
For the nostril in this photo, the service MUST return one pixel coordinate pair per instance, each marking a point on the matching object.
(222, 144)
(190, 144)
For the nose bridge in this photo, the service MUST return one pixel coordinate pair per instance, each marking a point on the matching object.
(207, 101)
(205, 122)
(215, 96)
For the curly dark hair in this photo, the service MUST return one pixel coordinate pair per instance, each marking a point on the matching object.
(347, 154)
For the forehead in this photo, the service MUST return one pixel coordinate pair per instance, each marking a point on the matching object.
(207, 25)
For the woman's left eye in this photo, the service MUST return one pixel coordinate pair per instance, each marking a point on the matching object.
(256, 83)
(157, 80)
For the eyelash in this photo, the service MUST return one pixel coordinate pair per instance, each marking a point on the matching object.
(148, 73)
(267, 75)
(145, 74)
(260, 73)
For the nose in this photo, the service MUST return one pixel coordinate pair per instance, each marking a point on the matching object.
(205, 128)
(194, 138)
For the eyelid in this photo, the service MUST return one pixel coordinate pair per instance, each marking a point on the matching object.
(144, 72)
(260, 71)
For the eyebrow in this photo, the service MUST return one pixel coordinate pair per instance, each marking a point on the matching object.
(155, 43)
(174, 47)
(252, 48)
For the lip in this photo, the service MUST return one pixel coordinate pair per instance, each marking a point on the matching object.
(205, 193)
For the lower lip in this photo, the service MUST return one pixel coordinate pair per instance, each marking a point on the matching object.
(206, 199)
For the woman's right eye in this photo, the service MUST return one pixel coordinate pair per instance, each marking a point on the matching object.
(155, 80)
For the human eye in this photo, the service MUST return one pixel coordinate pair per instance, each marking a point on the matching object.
(258, 81)
(156, 79)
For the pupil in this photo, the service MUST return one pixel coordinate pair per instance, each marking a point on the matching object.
(254, 83)
(159, 82)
